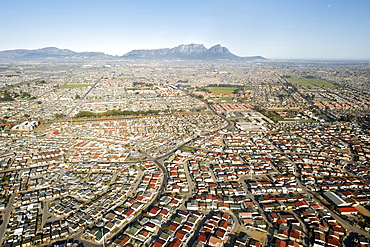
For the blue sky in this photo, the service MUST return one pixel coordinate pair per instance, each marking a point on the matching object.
(276, 29)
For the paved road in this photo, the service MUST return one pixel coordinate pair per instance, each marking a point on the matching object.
(249, 195)
(349, 228)
(307, 99)
(83, 97)
(157, 160)
(341, 221)
(159, 163)
(6, 216)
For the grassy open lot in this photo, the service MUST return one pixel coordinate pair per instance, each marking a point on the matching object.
(323, 99)
(75, 85)
(306, 82)
(187, 149)
(222, 90)
(220, 99)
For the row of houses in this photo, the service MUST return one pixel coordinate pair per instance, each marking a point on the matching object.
(144, 229)
(215, 230)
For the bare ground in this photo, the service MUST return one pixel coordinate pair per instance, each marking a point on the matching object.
(363, 210)
(257, 235)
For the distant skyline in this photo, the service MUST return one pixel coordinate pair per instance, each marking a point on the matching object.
(275, 29)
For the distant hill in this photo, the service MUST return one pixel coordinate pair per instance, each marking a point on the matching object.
(183, 52)
(50, 53)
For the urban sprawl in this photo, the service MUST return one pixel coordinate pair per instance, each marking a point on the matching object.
(185, 153)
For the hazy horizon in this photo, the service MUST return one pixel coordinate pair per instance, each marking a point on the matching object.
(306, 30)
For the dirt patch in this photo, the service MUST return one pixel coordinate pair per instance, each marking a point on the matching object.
(257, 235)
(363, 210)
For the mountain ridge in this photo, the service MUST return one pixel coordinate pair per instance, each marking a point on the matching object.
(188, 52)
(181, 52)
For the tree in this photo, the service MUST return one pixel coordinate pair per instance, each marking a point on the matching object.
(25, 94)
(59, 116)
(347, 118)
(6, 96)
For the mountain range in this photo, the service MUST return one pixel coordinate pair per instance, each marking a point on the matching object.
(182, 52)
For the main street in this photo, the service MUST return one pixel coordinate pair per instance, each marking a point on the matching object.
(6, 216)
(83, 97)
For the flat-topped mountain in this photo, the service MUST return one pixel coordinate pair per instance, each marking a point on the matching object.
(189, 52)
(185, 52)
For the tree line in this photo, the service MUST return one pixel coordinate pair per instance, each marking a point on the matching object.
(112, 113)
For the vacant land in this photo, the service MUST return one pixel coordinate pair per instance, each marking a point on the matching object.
(306, 82)
(75, 85)
(222, 90)
(258, 235)
(363, 210)
(187, 149)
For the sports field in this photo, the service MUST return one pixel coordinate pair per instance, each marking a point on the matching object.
(222, 90)
(75, 85)
(306, 82)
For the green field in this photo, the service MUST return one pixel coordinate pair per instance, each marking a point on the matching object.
(75, 85)
(222, 90)
(323, 99)
(219, 99)
(300, 81)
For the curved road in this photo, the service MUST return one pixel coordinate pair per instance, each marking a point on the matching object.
(159, 162)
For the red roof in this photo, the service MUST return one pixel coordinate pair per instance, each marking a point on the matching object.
(139, 198)
(158, 243)
(280, 243)
(225, 216)
(174, 201)
(154, 211)
(338, 229)
(202, 237)
(274, 215)
(224, 224)
(180, 234)
(175, 243)
(220, 233)
(281, 221)
(301, 204)
(164, 211)
(151, 186)
(294, 234)
(129, 212)
(173, 226)
(333, 241)
(347, 210)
